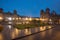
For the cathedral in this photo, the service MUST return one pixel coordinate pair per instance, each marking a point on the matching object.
(49, 17)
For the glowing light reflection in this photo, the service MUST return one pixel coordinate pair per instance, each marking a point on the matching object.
(42, 28)
(15, 33)
(9, 18)
(27, 31)
(49, 27)
(9, 26)
(1, 36)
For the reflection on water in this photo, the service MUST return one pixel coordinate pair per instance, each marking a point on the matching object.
(50, 32)
(27, 31)
(36, 30)
(43, 34)
(15, 33)
(1, 36)
(9, 26)
(49, 27)
(42, 28)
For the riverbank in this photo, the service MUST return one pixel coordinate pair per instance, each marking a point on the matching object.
(24, 26)
(32, 31)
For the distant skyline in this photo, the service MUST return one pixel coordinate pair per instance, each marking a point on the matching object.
(30, 7)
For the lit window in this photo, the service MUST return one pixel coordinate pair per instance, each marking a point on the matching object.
(16, 18)
(9, 18)
(30, 19)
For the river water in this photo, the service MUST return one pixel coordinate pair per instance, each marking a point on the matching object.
(10, 33)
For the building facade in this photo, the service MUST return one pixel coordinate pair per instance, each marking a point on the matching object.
(50, 18)
(14, 18)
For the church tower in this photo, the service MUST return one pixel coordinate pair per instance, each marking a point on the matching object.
(42, 14)
(53, 12)
(15, 12)
(47, 11)
(1, 10)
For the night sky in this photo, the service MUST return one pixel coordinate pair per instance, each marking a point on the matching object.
(29, 7)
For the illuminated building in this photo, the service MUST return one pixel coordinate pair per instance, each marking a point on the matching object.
(14, 18)
(50, 18)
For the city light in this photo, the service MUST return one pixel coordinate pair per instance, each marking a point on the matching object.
(30, 19)
(42, 28)
(50, 20)
(26, 18)
(9, 18)
(1, 18)
(27, 22)
(9, 26)
(13, 18)
(16, 18)
(49, 27)
(43, 19)
(37, 19)
(1, 36)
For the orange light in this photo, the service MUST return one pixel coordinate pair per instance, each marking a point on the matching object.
(26, 18)
(30, 19)
(1, 18)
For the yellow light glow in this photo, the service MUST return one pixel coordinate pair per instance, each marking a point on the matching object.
(42, 28)
(50, 20)
(1, 18)
(43, 19)
(15, 33)
(16, 18)
(1, 36)
(30, 19)
(27, 22)
(49, 27)
(9, 26)
(26, 31)
(26, 18)
(37, 19)
(9, 18)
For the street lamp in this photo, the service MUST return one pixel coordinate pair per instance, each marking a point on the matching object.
(1, 18)
(30, 19)
(9, 18)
